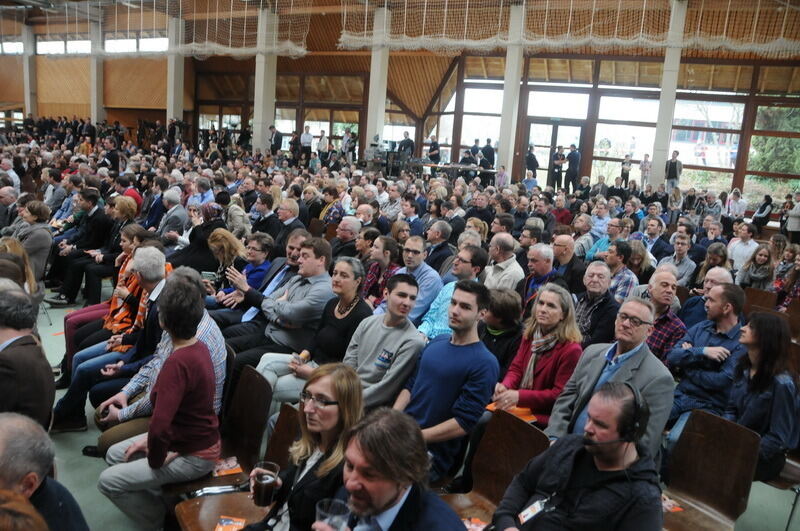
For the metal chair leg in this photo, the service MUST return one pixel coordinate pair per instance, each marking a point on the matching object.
(43, 309)
(794, 506)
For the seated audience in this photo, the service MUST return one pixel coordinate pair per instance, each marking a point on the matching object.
(330, 405)
(784, 265)
(667, 327)
(566, 264)
(742, 248)
(257, 247)
(504, 271)
(182, 442)
(17, 513)
(453, 381)
(596, 308)
(197, 253)
(547, 355)
(716, 256)
(343, 313)
(693, 311)
(610, 447)
(627, 360)
(791, 288)
(344, 244)
(623, 281)
(500, 328)
(680, 259)
(705, 359)
(229, 252)
(764, 395)
(36, 238)
(385, 255)
(26, 460)
(758, 271)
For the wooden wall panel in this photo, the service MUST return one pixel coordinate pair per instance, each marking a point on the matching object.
(414, 79)
(130, 117)
(135, 83)
(62, 85)
(11, 85)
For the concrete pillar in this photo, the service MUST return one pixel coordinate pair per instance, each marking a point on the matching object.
(515, 62)
(265, 82)
(669, 87)
(175, 69)
(378, 78)
(96, 107)
(29, 69)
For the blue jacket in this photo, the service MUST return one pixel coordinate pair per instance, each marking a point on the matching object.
(774, 413)
(693, 311)
(703, 379)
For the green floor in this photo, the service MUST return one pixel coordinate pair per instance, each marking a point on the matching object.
(768, 508)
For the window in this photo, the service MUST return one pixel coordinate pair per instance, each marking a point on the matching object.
(285, 122)
(153, 44)
(395, 132)
(481, 127)
(635, 109)
(755, 188)
(120, 45)
(778, 119)
(49, 47)
(703, 148)
(716, 114)
(705, 180)
(558, 104)
(483, 100)
(446, 129)
(315, 126)
(12, 47)
(616, 141)
(79, 46)
(774, 154)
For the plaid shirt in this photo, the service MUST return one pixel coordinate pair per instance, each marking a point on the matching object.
(667, 331)
(622, 284)
(209, 333)
(374, 282)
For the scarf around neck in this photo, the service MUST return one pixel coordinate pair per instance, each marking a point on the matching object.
(539, 345)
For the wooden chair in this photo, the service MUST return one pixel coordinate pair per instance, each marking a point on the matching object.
(286, 431)
(246, 420)
(505, 448)
(230, 359)
(712, 492)
(793, 320)
(330, 231)
(316, 227)
(683, 294)
(759, 297)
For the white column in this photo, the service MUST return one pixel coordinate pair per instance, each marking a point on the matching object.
(378, 78)
(265, 82)
(515, 61)
(669, 87)
(96, 107)
(175, 69)
(29, 69)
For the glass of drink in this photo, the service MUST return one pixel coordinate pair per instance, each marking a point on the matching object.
(264, 483)
(333, 512)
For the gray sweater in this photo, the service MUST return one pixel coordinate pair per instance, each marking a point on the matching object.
(383, 357)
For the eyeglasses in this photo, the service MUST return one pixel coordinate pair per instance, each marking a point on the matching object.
(634, 321)
(319, 403)
(256, 249)
(411, 251)
(461, 260)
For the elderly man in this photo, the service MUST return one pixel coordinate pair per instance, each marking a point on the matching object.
(26, 460)
(596, 308)
(608, 448)
(429, 281)
(391, 210)
(344, 244)
(582, 236)
(7, 166)
(713, 234)
(680, 259)
(568, 266)
(8, 202)
(693, 310)
(706, 358)
(667, 327)
(287, 213)
(627, 360)
(540, 265)
(439, 250)
(504, 271)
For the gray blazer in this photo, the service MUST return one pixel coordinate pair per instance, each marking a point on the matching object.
(59, 194)
(293, 322)
(643, 370)
(173, 220)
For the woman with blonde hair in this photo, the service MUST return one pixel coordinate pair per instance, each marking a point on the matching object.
(313, 200)
(330, 404)
(758, 271)
(639, 262)
(401, 231)
(716, 256)
(479, 226)
(229, 251)
(13, 246)
(547, 356)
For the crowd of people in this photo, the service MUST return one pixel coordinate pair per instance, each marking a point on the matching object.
(391, 311)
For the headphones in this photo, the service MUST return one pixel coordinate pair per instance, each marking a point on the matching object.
(636, 428)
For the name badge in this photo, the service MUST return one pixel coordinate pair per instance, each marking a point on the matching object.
(532, 510)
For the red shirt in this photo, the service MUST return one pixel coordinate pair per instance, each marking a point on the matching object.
(550, 375)
(183, 405)
(133, 194)
(563, 216)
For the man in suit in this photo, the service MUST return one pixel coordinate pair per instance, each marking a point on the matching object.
(344, 244)
(174, 219)
(288, 212)
(457, 223)
(627, 360)
(26, 378)
(439, 250)
(386, 490)
(157, 208)
(275, 140)
(654, 242)
(265, 219)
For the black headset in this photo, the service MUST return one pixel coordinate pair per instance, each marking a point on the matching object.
(636, 428)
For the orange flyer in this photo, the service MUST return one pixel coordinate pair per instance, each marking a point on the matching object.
(230, 523)
(519, 412)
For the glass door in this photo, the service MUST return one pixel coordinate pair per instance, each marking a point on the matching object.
(546, 136)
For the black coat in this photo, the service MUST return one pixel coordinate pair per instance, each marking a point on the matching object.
(283, 236)
(270, 225)
(625, 500)
(573, 274)
(601, 324)
(197, 254)
(458, 224)
(438, 255)
(93, 230)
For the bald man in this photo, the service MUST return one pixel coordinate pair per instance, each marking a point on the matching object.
(693, 310)
(567, 264)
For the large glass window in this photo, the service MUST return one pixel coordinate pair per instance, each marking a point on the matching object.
(755, 188)
(232, 117)
(705, 180)
(558, 104)
(704, 148)
(611, 169)
(395, 132)
(285, 121)
(49, 47)
(778, 119)
(483, 100)
(120, 45)
(153, 44)
(481, 127)
(12, 47)
(446, 129)
(774, 154)
(616, 141)
(208, 117)
(632, 109)
(716, 114)
(79, 46)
